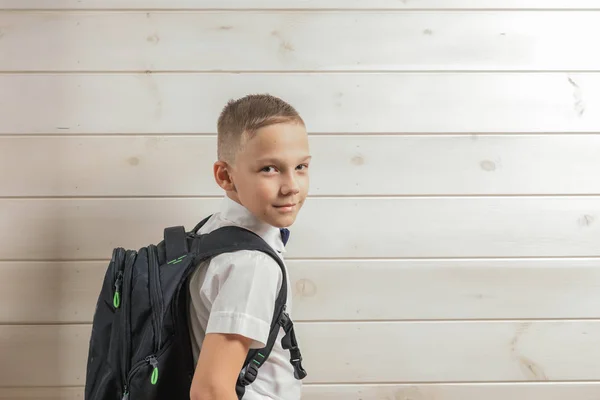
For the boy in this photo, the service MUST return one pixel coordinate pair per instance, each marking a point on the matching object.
(263, 159)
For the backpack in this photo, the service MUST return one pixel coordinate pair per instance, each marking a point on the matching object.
(140, 344)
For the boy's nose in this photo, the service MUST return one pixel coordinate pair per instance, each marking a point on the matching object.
(290, 186)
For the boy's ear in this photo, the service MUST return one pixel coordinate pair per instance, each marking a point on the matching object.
(223, 176)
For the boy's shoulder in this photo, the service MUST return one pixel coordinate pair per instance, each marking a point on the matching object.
(237, 215)
(245, 260)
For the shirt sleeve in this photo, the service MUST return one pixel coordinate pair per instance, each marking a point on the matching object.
(242, 287)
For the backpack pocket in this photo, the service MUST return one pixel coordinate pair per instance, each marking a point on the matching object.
(103, 361)
(159, 376)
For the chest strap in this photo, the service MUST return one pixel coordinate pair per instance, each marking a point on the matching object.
(289, 342)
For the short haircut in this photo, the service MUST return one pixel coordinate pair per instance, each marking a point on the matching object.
(245, 116)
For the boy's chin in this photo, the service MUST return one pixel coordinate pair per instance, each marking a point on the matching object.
(279, 221)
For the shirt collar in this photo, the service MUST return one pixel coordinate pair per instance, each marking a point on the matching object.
(239, 215)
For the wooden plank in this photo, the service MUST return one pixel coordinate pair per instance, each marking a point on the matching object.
(45, 393)
(457, 391)
(80, 229)
(48, 355)
(484, 391)
(445, 289)
(297, 4)
(55, 355)
(339, 103)
(451, 351)
(66, 292)
(284, 41)
(422, 165)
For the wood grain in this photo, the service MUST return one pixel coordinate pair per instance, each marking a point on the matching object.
(448, 391)
(84, 229)
(359, 165)
(236, 5)
(347, 352)
(66, 292)
(69, 104)
(283, 41)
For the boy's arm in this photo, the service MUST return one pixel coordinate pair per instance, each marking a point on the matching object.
(219, 366)
(242, 288)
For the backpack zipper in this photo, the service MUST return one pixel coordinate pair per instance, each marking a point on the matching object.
(127, 281)
(117, 264)
(154, 363)
(117, 291)
(150, 360)
(155, 296)
(153, 377)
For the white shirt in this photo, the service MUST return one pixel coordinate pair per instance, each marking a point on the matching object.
(235, 293)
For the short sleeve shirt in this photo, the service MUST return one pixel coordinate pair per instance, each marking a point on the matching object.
(235, 293)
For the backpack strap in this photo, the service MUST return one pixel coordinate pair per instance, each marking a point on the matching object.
(200, 225)
(233, 238)
(175, 243)
(255, 357)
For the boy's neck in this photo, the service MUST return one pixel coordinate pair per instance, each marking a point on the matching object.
(236, 213)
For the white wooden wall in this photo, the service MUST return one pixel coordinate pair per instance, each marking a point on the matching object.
(456, 169)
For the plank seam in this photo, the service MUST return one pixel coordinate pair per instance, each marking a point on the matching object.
(382, 383)
(330, 135)
(302, 72)
(320, 197)
(354, 259)
(298, 9)
(319, 134)
(348, 260)
(356, 322)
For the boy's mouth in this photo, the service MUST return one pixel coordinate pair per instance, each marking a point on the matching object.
(285, 207)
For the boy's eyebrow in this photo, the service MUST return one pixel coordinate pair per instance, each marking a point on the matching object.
(273, 160)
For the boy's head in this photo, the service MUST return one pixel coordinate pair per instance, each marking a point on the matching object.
(263, 157)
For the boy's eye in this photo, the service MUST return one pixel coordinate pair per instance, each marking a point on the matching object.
(268, 169)
(271, 168)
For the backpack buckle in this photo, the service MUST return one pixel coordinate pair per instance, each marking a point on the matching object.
(290, 343)
(249, 374)
(286, 322)
(296, 361)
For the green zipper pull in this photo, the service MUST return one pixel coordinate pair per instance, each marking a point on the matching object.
(117, 300)
(154, 378)
(117, 295)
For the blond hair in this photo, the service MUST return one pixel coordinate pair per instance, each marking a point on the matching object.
(245, 116)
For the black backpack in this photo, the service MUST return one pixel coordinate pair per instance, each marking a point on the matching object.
(140, 345)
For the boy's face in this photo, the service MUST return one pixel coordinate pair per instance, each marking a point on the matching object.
(270, 173)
